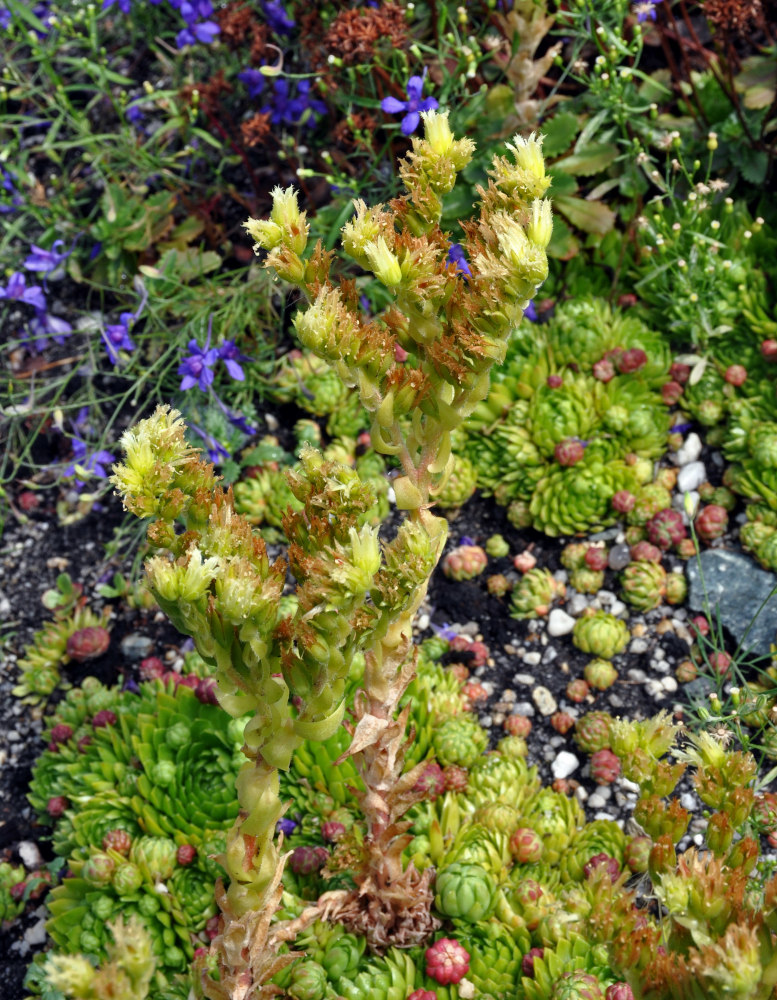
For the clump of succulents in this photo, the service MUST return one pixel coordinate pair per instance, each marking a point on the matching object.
(74, 634)
(465, 562)
(554, 435)
(534, 594)
(643, 584)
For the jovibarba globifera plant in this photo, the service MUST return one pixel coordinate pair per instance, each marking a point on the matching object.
(215, 580)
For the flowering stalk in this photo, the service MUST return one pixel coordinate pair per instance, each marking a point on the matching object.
(215, 581)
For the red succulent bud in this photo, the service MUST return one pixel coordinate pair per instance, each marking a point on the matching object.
(627, 300)
(680, 372)
(305, 859)
(524, 561)
(422, 994)
(578, 690)
(720, 663)
(83, 743)
(619, 991)
(671, 392)
(455, 778)
(332, 830)
(431, 781)
(605, 767)
(646, 552)
(666, 528)
(474, 692)
(554, 381)
(562, 722)
(631, 360)
(151, 668)
(447, 962)
(569, 451)
(200, 952)
(104, 718)
(518, 725)
(190, 681)
(735, 375)
(526, 845)
(56, 806)
(711, 522)
(61, 733)
(400, 354)
(212, 927)
(186, 854)
(206, 691)
(602, 861)
(28, 500)
(596, 558)
(17, 891)
(769, 350)
(88, 643)
(459, 671)
(701, 624)
(604, 370)
(623, 501)
(480, 653)
(527, 962)
(117, 840)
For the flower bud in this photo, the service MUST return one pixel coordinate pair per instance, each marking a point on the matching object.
(383, 263)
(569, 452)
(631, 360)
(604, 370)
(671, 392)
(769, 350)
(56, 806)
(735, 375)
(540, 228)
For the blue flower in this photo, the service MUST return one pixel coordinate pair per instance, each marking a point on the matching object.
(456, 256)
(197, 368)
(17, 290)
(645, 10)
(83, 462)
(117, 338)
(287, 110)
(530, 312)
(285, 826)
(125, 6)
(215, 451)
(203, 31)
(277, 18)
(231, 356)
(44, 327)
(412, 107)
(254, 80)
(134, 114)
(46, 261)
(10, 198)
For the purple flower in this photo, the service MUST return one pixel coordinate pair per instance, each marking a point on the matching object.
(117, 338)
(134, 114)
(254, 81)
(195, 10)
(287, 110)
(412, 107)
(46, 260)
(530, 312)
(197, 368)
(456, 256)
(444, 631)
(17, 290)
(645, 10)
(277, 18)
(231, 356)
(203, 31)
(285, 826)
(84, 462)
(9, 196)
(5, 18)
(45, 327)
(125, 6)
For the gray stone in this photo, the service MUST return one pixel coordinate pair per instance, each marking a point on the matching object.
(737, 588)
(136, 647)
(620, 557)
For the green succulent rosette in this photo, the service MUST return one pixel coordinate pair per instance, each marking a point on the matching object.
(310, 383)
(496, 777)
(643, 584)
(459, 740)
(601, 634)
(505, 457)
(391, 977)
(10, 875)
(587, 581)
(495, 956)
(475, 844)
(707, 399)
(265, 497)
(348, 419)
(556, 818)
(192, 900)
(638, 416)
(569, 411)
(534, 594)
(600, 836)
(553, 972)
(461, 484)
(577, 499)
(465, 892)
(650, 499)
(313, 769)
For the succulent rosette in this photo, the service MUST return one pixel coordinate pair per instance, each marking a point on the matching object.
(465, 892)
(478, 845)
(600, 634)
(643, 584)
(459, 740)
(496, 777)
(600, 836)
(495, 956)
(534, 594)
(461, 484)
(572, 969)
(592, 731)
(11, 904)
(556, 818)
(649, 500)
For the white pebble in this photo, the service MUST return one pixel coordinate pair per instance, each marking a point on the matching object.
(638, 646)
(689, 451)
(691, 476)
(560, 623)
(523, 679)
(669, 684)
(688, 801)
(618, 608)
(577, 604)
(29, 853)
(564, 764)
(544, 700)
(595, 801)
(532, 658)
